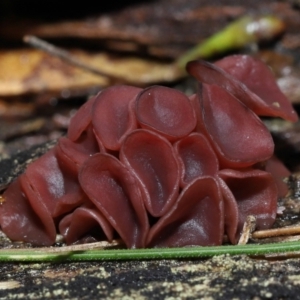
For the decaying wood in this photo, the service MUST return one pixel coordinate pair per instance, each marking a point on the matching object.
(221, 277)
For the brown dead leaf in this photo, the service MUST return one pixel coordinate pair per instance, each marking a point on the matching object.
(161, 22)
(10, 130)
(32, 71)
(16, 109)
(162, 28)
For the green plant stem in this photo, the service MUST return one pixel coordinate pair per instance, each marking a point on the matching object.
(34, 255)
(241, 32)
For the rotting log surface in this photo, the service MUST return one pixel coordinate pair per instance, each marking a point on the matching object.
(221, 277)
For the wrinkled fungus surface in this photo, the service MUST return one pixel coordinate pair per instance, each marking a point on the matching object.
(157, 168)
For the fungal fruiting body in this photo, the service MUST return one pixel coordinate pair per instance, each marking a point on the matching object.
(157, 168)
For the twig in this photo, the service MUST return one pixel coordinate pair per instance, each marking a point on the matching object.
(283, 255)
(285, 231)
(67, 249)
(249, 227)
(277, 239)
(66, 56)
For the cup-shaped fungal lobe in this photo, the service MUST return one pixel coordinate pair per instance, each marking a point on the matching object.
(21, 221)
(196, 158)
(166, 111)
(74, 154)
(231, 212)
(211, 74)
(195, 101)
(116, 193)
(255, 193)
(237, 134)
(81, 120)
(46, 181)
(196, 218)
(70, 156)
(52, 183)
(84, 221)
(258, 78)
(153, 161)
(113, 115)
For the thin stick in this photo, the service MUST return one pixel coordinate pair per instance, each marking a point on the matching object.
(248, 228)
(277, 239)
(65, 56)
(291, 230)
(66, 249)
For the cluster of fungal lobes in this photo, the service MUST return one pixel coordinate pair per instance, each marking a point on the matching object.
(157, 168)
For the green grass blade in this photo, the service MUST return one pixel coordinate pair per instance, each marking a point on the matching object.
(30, 255)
